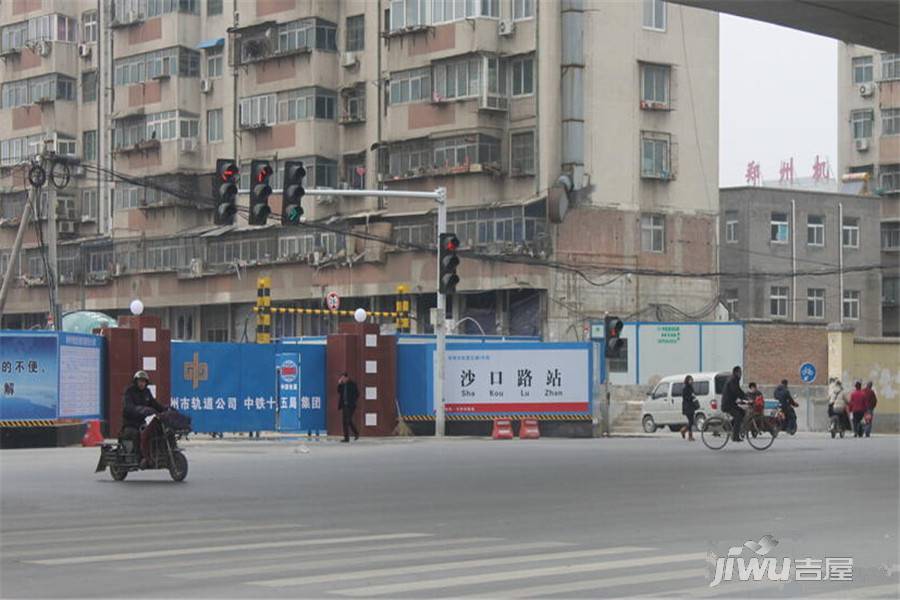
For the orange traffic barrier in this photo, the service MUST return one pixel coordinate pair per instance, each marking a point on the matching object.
(92, 436)
(502, 429)
(529, 429)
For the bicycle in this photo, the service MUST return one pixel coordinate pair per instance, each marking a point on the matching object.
(758, 429)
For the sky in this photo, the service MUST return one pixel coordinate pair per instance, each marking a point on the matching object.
(777, 99)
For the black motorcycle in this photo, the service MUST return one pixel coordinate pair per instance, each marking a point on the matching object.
(124, 457)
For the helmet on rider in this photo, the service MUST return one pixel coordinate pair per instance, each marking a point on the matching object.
(141, 375)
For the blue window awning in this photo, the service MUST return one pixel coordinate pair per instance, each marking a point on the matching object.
(211, 43)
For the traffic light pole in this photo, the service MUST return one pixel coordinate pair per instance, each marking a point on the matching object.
(440, 327)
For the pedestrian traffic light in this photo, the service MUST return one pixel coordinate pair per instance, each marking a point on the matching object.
(448, 261)
(225, 191)
(292, 207)
(612, 326)
(260, 171)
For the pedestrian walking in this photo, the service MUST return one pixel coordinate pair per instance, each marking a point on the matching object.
(859, 404)
(689, 405)
(787, 402)
(872, 400)
(348, 394)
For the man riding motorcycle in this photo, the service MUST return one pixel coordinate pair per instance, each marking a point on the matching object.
(139, 404)
(787, 402)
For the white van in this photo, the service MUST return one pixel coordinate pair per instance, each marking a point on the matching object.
(663, 406)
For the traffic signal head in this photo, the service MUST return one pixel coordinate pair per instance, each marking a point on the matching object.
(613, 331)
(292, 205)
(260, 171)
(225, 191)
(448, 262)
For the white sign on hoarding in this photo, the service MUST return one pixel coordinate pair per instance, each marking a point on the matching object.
(518, 380)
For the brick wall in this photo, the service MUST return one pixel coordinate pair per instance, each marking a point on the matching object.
(775, 351)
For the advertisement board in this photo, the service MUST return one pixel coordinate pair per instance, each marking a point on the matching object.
(80, 375)
(29, 376)
(531, 378)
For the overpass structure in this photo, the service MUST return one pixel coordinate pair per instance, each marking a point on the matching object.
(872, 23)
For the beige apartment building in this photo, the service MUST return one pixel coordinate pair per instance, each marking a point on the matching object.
(869, 142)
(577, 141)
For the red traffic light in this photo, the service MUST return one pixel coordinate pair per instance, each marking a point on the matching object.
(451, 244)
(263, 174)
(230, 172)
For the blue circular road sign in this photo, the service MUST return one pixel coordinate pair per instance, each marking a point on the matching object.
(808, 372)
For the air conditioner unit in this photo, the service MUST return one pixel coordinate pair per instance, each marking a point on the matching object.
(188, 145)
(506, 27)
(862, 144)
(66, 227)
(349, 59)
(44, 48)
(206, 86)
(84, 50)
(77, 171)
(866, 89)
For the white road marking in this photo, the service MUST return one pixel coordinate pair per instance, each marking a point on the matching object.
(78, 560)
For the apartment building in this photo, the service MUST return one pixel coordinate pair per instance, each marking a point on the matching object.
(869, 142)
(577, 140)
(767, 231)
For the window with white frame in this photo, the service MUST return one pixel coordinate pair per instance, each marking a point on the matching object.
(355, 104)
(815, 230)
(356, 33)
(521, 153)
(17, 150)
(169, 62)
(466, 150)
(155, 8)
(851, 232)
(66, 146)
(89, 205)
(306, 103)
(458, 79)
(49, 87)
(215, 58)
(523, 9)
(890, 66)
(778, 301)
(731, 226)
(522, 73)
(655, 85)
(355, 171)
(851, 304)
(731, 303)
(409, 13)
(779, 230)
(213, 7)
(653, 233)
(655, 155)
(890, 178)
(89, 86)
(52, 28)
(89, 145)
(410, 86)
(164, 126)
(815, 303)
(14, 37)
(863, 69)
(890, 121)
(409, 159)
(861, 123)
(90, 26)
(215, 126)
(445, 11)
(655, 15)
(257, 110)
(15, 93)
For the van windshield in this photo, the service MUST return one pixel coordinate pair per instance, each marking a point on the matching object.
(661, 391)
(721, 380)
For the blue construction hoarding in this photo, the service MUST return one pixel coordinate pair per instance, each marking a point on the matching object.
(50, 375)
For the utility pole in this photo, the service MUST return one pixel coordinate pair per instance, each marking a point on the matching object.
(17, 246)
(53, 261)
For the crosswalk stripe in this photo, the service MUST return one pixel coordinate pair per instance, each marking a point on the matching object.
(158, 533)
(78, 560)
(336, 562)
(608, 582)
(459, 580)
(447, 566)
(173, 543)
(285, 555)
(133, 527)
(888, 591)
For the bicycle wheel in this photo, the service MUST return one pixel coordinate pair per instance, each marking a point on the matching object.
(760, 433)
(715, 433)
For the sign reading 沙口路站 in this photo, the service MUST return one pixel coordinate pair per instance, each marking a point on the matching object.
(538, 379)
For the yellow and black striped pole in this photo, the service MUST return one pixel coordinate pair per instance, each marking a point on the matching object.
(263, 310)
(402, 306)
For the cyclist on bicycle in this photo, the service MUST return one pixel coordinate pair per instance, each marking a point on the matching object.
(730, 396)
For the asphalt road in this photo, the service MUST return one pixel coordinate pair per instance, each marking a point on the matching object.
(463, 517)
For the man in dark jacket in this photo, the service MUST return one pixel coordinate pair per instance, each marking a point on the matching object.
(348, 394)
(139, 404)
(787, 402)
(730, 395)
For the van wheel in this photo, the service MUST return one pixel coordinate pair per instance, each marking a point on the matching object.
(649, 424)
(699, 421)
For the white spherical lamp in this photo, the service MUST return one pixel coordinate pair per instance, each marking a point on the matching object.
(137, 307)
(360, 315)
